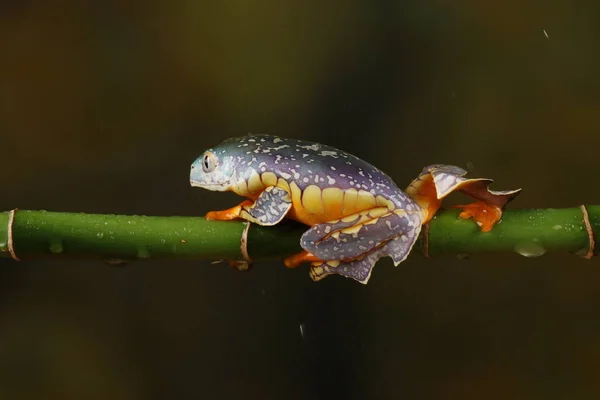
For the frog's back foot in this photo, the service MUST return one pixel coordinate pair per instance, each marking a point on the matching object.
(359, 235)
(360, 269)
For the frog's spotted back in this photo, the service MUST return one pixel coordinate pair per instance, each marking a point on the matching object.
(356, 211)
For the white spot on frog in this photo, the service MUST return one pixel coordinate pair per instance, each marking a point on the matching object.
(285, 175)
(330, 180)
(327, 153)
(277, 140)
(313, 147)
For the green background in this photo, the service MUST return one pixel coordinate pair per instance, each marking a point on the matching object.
(104, 105)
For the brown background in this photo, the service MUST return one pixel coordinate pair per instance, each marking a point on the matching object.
(104, 105)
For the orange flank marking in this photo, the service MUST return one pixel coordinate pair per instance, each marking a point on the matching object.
(423, 192)
(312, 201)
(350, 201)
(486, 215)
(298, 212)
(333, 201)
(365, 200)
(229, 214)
(297, 259)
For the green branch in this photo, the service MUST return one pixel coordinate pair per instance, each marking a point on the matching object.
(31, 234)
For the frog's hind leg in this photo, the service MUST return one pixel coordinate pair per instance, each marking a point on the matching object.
(437, 181)
(360, 233)
(360, 269)
(317, 233)
(268, 209)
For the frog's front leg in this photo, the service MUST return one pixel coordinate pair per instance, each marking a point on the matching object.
(268, 209)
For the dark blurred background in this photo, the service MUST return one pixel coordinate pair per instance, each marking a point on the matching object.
(104, 105)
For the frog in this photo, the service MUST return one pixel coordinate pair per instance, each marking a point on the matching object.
(355, 213)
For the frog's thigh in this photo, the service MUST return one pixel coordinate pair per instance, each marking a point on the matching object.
(346, 242)
(270, 207)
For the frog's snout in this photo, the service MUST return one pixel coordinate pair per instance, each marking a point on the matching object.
(208, 178)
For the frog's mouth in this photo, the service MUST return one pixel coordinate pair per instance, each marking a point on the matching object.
(217, 187)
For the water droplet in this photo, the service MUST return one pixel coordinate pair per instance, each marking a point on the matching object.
(302, 329)
(557, 227)
(143, 252)
(100, 235)
(56, 246)
(530, 249)
(463, 256)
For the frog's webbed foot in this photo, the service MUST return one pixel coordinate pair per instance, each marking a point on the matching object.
(484, 214)
(270, 208)
(357, 234)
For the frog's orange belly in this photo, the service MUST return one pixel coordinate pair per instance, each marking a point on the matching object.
(314, 205)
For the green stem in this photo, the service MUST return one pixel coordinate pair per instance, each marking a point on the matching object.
(125, 237)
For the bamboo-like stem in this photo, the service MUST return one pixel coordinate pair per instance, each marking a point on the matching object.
(37, 234)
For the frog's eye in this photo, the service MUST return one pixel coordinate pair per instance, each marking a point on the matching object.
(209, 163)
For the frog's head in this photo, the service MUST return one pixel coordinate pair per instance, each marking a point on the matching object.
(213, 170)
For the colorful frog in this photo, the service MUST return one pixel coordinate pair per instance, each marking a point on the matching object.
(356, 213)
